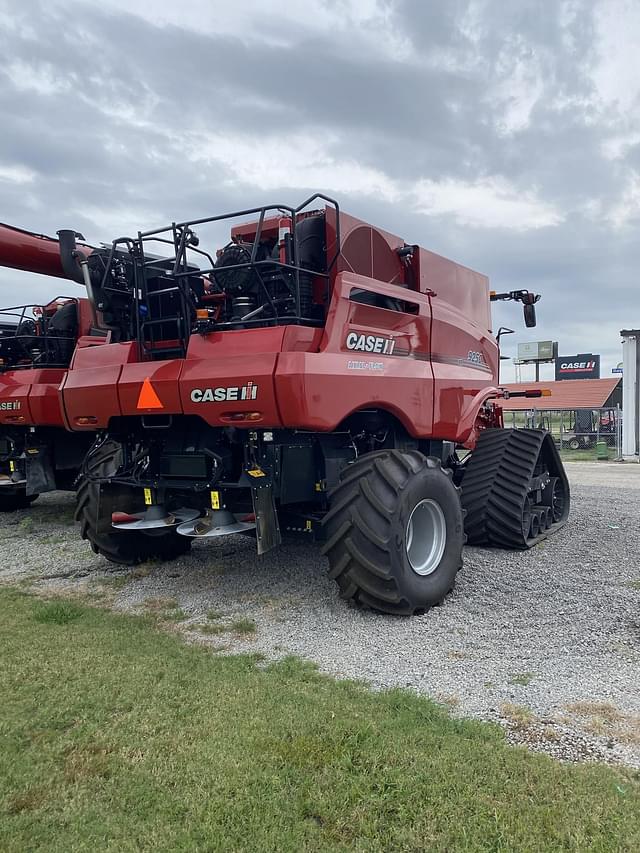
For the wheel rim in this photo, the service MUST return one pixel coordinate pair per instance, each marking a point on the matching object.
(426, 537)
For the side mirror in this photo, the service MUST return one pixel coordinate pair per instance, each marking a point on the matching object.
(529, 315)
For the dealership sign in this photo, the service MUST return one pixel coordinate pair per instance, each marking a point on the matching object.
(582, 366)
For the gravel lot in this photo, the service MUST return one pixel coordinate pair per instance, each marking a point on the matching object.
(546, 642)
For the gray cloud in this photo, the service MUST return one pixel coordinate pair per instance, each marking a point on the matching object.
(105, 115)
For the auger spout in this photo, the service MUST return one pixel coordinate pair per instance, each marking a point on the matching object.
(25, 250)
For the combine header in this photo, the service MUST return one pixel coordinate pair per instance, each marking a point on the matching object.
(313, 376)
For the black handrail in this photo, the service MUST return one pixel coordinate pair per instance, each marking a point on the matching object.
(45, 340)
(180, 236)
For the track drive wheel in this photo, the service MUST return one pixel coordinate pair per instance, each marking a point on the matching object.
(394, 532)
(119, 547)
(17, 499)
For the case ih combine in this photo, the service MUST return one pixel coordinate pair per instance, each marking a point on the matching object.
(37, 453)
(314, 376)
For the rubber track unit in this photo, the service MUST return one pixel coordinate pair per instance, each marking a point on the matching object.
(361, 553)
(124, 548)
(496, 486)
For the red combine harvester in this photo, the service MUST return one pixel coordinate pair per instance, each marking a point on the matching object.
(315, 376)
(37, 453)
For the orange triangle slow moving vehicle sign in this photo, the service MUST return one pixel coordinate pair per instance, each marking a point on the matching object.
(148, 398)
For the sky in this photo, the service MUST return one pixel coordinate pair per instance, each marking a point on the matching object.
(505, 136)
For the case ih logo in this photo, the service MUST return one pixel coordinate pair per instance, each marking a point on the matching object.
(582, 366)
(370, 343)
(577, 365)
(221, 395)
(11, 406)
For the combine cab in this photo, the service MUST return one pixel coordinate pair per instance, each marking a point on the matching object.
(311, 376)
(37, 453)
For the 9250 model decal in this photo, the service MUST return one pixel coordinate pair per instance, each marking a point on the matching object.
(370, 343)
(476, 358)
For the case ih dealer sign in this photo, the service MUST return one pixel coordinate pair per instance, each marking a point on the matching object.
(585, 366)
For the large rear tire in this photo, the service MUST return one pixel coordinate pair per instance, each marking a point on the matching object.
(15, 500)
(117, 546)
(394, 532)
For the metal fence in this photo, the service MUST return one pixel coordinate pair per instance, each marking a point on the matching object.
(579, 434)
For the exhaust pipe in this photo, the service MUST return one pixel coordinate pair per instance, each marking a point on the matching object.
(76, 267)
(70, 257)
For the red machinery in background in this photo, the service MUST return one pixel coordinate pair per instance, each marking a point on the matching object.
(37, 453)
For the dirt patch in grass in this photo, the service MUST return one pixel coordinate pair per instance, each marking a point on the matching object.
(160, 604)
(517, 715)
(606, 721)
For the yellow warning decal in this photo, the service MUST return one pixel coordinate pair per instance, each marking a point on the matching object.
(308, 525)
(12, 466)
(256, 472)
(215, 500)
(148, 497)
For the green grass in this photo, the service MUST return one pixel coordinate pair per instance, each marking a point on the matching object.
(208, 628)
(589, 455)
(119, 737)
(521, 678)
(243, 626)
(176, 614)
(559, 424)
(57, 612)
